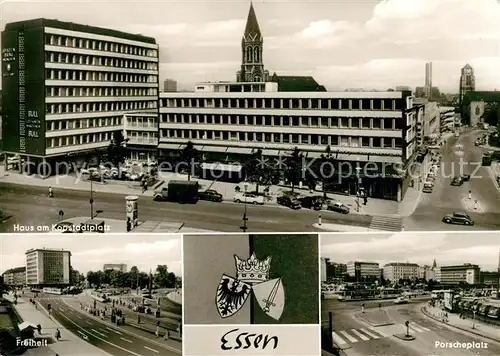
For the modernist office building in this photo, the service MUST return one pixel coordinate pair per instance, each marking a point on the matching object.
(374, 131)
(48, 267)
(67, 87)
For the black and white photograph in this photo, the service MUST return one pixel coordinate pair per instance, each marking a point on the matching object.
(410, 294)
(119, 296)
(250, 116)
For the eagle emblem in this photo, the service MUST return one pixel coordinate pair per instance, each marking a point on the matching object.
(231, 295)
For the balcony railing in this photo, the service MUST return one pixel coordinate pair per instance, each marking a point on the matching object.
(143, 140)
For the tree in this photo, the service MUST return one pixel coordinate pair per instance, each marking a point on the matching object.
(190, 155)
(491, 114)
(294, 168)
(321, 170)
(161, 276)
(260, 171)
(117, 151)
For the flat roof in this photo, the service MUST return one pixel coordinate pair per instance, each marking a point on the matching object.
(47, 250)
(70, 26)
(287, 95)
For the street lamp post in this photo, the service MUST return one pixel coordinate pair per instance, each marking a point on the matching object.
(473, 319)
(91, 197)
(358, 179)
(244, 227)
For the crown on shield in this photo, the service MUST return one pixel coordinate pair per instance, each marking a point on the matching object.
(252, 270)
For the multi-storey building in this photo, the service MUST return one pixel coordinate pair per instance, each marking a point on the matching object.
(48, 267)
(323, 268)
(170, 85)
(361, 270)
(399, 270)
(474, 104)
(489, 278)
(466, 273)
(467, 81)
(140, 131)
(371, 135)
(428, 79)
(15, 276)
(66, 87)
(120, 267)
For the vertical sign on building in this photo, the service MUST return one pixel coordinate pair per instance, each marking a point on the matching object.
(22, 94)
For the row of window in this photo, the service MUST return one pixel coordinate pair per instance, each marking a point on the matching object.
(74, 108)
(294, 121)
(142, 156)
(83, 123)
(75, 140)
(96, 45)
(332, 140)
(142, 122)
(99, 91)
(85, 75)
(376, 104)
(67, 58)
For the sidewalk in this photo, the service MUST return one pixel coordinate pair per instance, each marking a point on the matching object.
(494, 172)
(373, 207)
(69, 344)
(478, 328)
(375, 317)
(345, 228)
(175, 297)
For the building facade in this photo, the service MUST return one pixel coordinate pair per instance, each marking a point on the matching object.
(467, 81)
(323, 269)
(428, 80)
(474, 105)
(48, 267)
(66, 87)
(15, 277)
(489, 278)
(120, 267)
(466, 273)
(398, 270)
(372, 131)
(170, 85)
(140, 131)
(361, 270)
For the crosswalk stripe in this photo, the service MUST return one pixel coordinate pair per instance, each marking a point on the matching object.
(422, 327)
(378, 331)
(415, 328)
(348, 337)
(363, 337)
(373, 336)
(337, 339)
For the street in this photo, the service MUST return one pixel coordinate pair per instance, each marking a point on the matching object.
(30, 205)
(446, 199)
(359, 334)
(111, 339)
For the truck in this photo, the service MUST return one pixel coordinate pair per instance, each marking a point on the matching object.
(179, 191)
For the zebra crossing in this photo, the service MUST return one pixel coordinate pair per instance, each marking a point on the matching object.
(346, 337)
(386, 223)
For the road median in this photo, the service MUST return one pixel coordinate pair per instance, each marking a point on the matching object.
(375, 318)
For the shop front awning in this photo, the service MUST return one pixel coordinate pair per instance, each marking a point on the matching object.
(169, 146)
(236, 168)
(240, 150)
(214, 149)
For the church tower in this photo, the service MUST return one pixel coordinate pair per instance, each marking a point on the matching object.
(252, 45)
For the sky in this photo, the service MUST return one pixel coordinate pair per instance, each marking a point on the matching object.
(455, 248)
(370, 44)
(91, 252)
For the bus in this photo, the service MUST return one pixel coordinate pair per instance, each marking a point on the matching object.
(439, 293)
(50, 290)
(389, 293)
(356, 293)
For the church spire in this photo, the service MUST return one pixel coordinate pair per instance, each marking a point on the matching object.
(252, 29)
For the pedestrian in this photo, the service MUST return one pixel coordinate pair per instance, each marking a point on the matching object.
(58, 334)
(362, 308)
(39, 329)
(138, 319)
(157, 328)
(167, 335)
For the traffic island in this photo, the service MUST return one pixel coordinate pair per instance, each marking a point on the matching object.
(375, 318)
(405, 337)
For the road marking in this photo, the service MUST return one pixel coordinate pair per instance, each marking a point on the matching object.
(83, 335)
(78, 316)
(97, 332)
(378, 331)
(127, 340)
(119, 333)
(358, 334)
(337, 339)
(105, 331)
(88, 322)
(61, 309)
(150, 349)
(373, 336)
(421, 327)
(415, 328)
(348, 337)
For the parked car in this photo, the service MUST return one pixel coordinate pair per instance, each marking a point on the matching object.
(458, 219)
(211, 195)
(401, 300)
(248, 198)
(312, 202)
(427, 189)
(466, 177)
(161, 194)
(457, 181)
(289, 201)
(338, 207)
